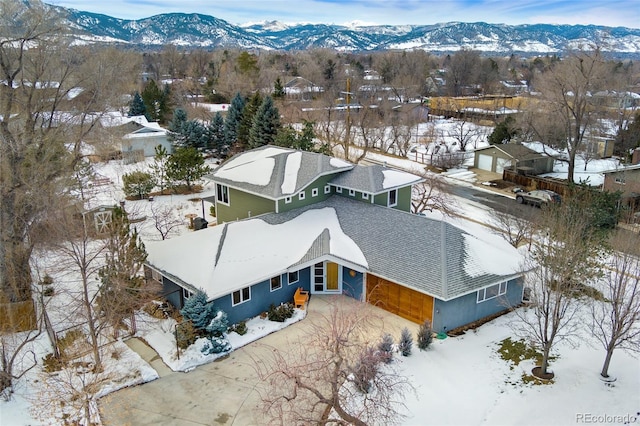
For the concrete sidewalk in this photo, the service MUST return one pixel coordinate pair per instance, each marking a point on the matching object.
(147, 353)
(224, 391)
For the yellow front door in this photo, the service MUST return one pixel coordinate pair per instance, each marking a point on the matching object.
(332, 277)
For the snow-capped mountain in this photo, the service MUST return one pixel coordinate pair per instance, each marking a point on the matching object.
(207, 31)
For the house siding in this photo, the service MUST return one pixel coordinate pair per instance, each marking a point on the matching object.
(631, 179)
(352, 286)
(465, 309)
(262, 297)
(404, 199)
(296, 202)
(242, 205)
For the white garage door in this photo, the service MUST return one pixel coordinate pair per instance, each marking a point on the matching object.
(501, 163)
(484, 162)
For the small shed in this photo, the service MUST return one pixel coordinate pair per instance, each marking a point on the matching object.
(515, 156)
(98, 219)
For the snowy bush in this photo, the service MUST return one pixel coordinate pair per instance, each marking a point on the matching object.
(218, 325)
(198, 310)
(280, 313)
(425, 335)
(215, 345)
(406, 342)
(385, 347)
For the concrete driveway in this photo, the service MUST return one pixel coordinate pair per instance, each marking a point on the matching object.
(223, 392)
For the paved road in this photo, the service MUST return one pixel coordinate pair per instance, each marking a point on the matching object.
(502, 203)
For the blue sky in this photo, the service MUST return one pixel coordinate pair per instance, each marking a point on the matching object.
(393, 12)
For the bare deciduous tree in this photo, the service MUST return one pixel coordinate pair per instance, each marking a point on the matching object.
(317, 379)
(432, 194)
(568, 110)
(616, 318)
(165, 219)
(516, 229)
(565, 254)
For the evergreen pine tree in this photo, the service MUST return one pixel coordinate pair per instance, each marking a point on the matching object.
(385, 346)
(159, 167)
(232, 122)
(278, 89)
(406, 342)
(218, 324)
(266, 124)
(186, 165)
(248, 114)
(178, 121)
(136, 106)
(198, 310)
(216, 140)
(425, 335)
(152, 98)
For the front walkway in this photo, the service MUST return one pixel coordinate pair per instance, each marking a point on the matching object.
(148, 354)
(224, 391)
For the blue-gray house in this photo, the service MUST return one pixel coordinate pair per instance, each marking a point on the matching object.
(331, 227)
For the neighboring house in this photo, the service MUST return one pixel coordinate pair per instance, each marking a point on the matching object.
(351, 233)
(514, 156)
(143, 138)
(626, 180)
(301, 89)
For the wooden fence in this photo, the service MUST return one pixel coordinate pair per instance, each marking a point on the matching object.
(535, 182)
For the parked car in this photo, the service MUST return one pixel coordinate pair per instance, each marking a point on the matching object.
(538, 197)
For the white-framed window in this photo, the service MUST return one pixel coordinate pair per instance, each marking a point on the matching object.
(620, 180)
(301, 195)
(339, 189)
(393, 198)
(492, 292)
(186, 294)
(293, 277)
(327, 189)
(222, 194)
(156, 276)
(287, 200)
(365, 196)
(241, 296)
(352, 192)
(314, 192)
(276, 283)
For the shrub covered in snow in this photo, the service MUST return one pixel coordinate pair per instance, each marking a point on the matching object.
(215, 345)
(198, 310)
(405, 344)
(385, 347)
(218, 325)
(425, 335)
(280, 313)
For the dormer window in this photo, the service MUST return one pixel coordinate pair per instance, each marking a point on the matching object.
(393, 198)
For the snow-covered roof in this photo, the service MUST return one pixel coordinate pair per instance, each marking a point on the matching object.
(228, 257)
(374, 179)
(275, 172)
(431, 256)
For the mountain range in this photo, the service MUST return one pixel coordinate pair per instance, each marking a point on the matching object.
(204, 31)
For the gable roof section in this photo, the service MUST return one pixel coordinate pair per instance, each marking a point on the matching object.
(431, 256)
(428, 255)
(275, 172)
(374, 179)
(225, 258)
(515, 150)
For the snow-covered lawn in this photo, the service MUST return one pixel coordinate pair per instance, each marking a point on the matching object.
(459, 380)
